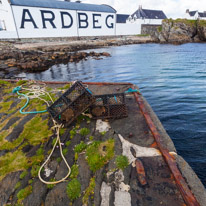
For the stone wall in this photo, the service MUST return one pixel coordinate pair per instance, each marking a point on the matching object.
(149, 29)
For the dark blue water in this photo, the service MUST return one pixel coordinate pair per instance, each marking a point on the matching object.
(173, 80)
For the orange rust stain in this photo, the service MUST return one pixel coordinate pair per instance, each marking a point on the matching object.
(154, 145)
(140, 172)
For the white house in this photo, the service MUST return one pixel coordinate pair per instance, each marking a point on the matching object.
(194, 15)
(147, 16)
(51, 18)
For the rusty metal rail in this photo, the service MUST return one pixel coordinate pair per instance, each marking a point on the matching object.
(186, 193)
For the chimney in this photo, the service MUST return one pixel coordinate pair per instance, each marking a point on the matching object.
(187, 11)
(140, 7)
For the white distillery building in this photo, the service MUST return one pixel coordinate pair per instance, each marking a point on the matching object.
(194, 15)
(50, 18)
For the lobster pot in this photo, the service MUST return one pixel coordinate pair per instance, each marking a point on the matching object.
(109, 106)
(71, 104)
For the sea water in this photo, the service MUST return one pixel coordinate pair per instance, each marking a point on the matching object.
(171, 78)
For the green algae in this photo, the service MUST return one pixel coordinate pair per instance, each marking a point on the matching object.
(99, 153)
(80, 147)
(84, 131)
(12, 162)
(34, 170)
(89, 192)
(74, 189)
(35, 131)
(64, 151)
(18, 185)
(72, 133)
(51, 186)
(23, 174)
(121, 162)
(23, 193)
(74, 171)
(68, 143)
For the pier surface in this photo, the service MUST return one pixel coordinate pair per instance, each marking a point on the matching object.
(155, 173)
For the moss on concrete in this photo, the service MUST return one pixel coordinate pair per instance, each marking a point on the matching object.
(99, 153)
(122, 162)
(12, 162)
(74, 171)
(80, 147)
(74, 189)
(23, 193)
(89, 192)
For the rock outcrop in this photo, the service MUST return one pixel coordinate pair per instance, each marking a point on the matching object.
(181, 31)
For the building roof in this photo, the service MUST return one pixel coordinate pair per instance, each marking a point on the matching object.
(63, 5)
(149, 14)
(202, 14)
(122, 18)
(192, 13)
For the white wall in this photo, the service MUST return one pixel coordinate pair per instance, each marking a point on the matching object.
(146, 21)
(30, 23)
(27, 29)
(128, 29)
(106, 21)
(7, 16)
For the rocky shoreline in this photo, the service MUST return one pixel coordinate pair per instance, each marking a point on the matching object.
(39, 55)
(181, 31)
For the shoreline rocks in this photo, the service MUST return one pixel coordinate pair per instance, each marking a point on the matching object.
(181, 31)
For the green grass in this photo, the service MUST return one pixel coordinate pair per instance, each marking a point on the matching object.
(74, 189)
(202, 22)
(142, 35)
(121, 162)
(159, 29)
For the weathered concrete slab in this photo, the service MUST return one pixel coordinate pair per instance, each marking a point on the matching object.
(93, 153)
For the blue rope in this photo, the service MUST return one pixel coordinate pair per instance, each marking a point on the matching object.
(130, 90)
(16, 90)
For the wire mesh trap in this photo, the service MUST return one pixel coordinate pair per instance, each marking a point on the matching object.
(109, 106)
(71, 104)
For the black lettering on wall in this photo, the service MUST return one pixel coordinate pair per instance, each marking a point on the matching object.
(83, 18)
(30, 19)
(112, 24)
(64, 14)
(95, 21)
(50, 20)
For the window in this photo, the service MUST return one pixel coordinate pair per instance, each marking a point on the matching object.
(2, 25)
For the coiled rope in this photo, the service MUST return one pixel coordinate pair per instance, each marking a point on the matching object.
(35, 91)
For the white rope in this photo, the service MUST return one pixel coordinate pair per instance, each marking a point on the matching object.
(35, 91)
